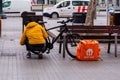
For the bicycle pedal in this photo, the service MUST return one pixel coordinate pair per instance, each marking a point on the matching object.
(48, 52)
(74, 45)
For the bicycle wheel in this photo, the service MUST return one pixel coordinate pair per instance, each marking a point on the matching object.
(71, 44)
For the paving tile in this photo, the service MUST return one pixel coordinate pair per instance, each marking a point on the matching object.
(15, 66)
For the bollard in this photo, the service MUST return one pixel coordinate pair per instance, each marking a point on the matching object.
(0, 26)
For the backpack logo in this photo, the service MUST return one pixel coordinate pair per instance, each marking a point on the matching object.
(89, 52)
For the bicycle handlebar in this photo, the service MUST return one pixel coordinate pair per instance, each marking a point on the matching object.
(41, 22)
(64, 22)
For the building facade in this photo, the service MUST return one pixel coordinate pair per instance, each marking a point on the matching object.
(102, 3)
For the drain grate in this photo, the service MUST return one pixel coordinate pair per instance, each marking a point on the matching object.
(8, 54)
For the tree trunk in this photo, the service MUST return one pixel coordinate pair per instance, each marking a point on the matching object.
(90, 13)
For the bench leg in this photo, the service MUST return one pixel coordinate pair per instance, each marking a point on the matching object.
(60, 46)
(109, 44)
(64, 41)
(116, 45)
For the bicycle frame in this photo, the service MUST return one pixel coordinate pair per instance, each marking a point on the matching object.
(60, 34)
(63, 33)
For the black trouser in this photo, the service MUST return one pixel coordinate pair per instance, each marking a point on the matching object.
(34, 47)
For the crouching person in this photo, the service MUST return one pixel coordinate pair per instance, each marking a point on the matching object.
(33, 36)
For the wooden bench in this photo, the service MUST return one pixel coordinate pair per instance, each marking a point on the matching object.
(107, 34)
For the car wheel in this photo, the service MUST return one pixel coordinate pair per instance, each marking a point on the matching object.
(54, 15)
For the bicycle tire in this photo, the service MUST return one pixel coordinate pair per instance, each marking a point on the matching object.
(72, 41)
(46, 45)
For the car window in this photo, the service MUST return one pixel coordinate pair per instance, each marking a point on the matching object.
(80, 3)
(76, 3)
(6, 4)
(64, 4)
(85, 3)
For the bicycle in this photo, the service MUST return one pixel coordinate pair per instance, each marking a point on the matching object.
(69, 39)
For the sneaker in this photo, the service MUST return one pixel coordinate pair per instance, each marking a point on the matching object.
(28, 55)
(40, 56)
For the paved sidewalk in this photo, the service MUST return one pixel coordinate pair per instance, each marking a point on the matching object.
(15, 66)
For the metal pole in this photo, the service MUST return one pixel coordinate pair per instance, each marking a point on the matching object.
(0, 25)
(95, 10)
(1, 12)
(0, 6)
(107, 14)
(0, 15)
(42, 7)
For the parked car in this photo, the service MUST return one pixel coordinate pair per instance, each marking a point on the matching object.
(16, 6)
(66, 8)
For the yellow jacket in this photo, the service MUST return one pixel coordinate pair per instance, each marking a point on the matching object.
(35, 33)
